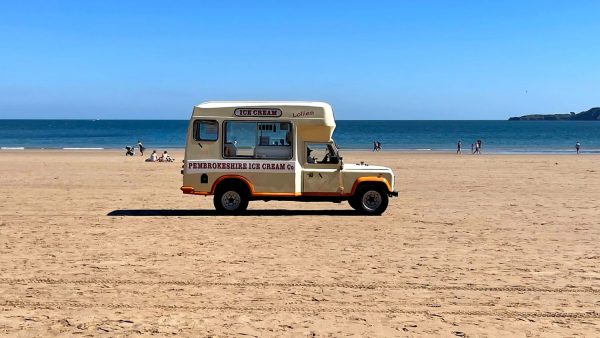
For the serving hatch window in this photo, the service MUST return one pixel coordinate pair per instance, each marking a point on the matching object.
(206, 130)
(269, 140)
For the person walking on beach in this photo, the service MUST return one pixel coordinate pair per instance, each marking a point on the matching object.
(141, 146)
(376, 146)
(577, 146)
(458, 146)
(472, 148)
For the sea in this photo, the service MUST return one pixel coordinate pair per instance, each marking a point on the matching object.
(398, 135)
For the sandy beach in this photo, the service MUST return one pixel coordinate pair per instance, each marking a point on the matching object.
(96, 243)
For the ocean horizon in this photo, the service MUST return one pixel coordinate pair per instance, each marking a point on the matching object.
(498, 136)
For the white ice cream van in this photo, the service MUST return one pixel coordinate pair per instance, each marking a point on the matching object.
(268, 150)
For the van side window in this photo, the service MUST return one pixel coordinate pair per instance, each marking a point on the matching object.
(206, 130)
(268, 140)
(321, 153)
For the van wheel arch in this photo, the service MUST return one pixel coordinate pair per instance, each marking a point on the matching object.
(370, 190)
(378, 184)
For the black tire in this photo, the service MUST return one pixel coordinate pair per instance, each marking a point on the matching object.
(370, 200)
(353, 201)
(231, 199)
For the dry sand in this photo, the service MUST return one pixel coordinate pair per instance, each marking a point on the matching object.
(96, 243)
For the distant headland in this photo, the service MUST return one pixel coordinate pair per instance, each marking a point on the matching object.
(588, 115)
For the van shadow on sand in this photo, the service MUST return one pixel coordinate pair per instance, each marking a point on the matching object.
(195, 212)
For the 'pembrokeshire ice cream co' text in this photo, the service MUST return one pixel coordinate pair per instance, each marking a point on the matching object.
(240, 166)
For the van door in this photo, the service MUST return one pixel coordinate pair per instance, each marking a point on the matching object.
(320, 170)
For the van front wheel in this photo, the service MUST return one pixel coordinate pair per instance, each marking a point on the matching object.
(230, 200)
(370, 200)
(354, 203)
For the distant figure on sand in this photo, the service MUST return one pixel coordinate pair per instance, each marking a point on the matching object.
(141, 146)
(577, 146)
(153, 157)
(376, 146)
(165, 157)
(472, 148)
(477, 147)
(458, 146)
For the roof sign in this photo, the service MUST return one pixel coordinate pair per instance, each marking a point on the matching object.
(257, 112)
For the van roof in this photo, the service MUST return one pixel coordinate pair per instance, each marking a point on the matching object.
(232, 104)
(315, 120)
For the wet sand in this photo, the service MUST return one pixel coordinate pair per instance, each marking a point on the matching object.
(96, 243)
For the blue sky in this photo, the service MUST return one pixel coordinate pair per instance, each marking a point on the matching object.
(369, 59)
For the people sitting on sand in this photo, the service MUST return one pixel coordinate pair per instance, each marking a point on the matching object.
(153, 157)
(165, 157)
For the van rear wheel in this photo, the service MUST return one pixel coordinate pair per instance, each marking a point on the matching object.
(370, 200)
(231, 199)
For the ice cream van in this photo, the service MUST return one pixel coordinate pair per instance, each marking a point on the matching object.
(244, 151)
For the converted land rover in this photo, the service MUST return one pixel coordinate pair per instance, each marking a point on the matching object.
(272, 150)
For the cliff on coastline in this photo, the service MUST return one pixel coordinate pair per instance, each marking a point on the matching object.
(588, 115)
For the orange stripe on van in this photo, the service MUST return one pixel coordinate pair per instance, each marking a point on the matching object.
(187, 190)
(191, 190)
(354, 186)
(251, 187)
(324, 194)
(277, 194)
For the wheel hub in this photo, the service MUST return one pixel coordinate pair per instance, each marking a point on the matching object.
(231, 200)
(371, 200)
